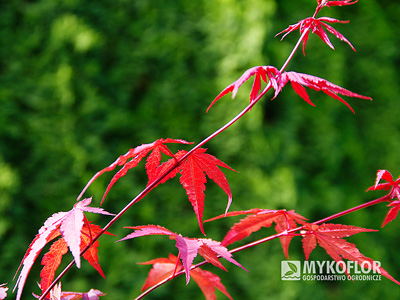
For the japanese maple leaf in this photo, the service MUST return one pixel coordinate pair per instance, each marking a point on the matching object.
(323, 3)
(57, 294)
(317, 26)
(164, 268)
(52, 259)
(188, 247)
(3, 291)
(265, 73)
(329, 237)
(193, 178)
(394, 187)
(299, 80)
(258, 218)
(69, 225)
(132, 158)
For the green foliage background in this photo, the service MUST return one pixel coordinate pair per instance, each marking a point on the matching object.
(81, 82)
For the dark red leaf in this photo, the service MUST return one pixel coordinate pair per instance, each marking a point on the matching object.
(329, 236)
(193, 178)
(259, 218)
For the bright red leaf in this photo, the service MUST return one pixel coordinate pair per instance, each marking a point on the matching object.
(69, 225)
(284, 220)
(132, 158)
(394, 187)
(317, 26)
(208, 282)
(193, 178)
(188, 247)
(329, 237)
(163, 268)
(299, 80)
(52, 259)
(264, 73)
(323, 3)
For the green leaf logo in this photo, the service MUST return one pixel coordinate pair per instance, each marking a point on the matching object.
(293, 267)
(289, 273)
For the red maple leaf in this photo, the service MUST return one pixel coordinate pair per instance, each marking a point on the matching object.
(284, 220)
(394, 187)
(57, 294)
(299, 80)
(264, 73)
(322, 3)
(68, 225)
(193, 177)
(329, 237)
(317, 26)
(188, 247)
(164, 268)
(52, 259)
(133, 157)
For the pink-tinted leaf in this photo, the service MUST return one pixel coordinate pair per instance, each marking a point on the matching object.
(3, 291)
(50, 225)
(210, 256)
(57, 294)
(221, 250)
(69, 224)
(147, 230)
(188, 249)
(72, 224)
